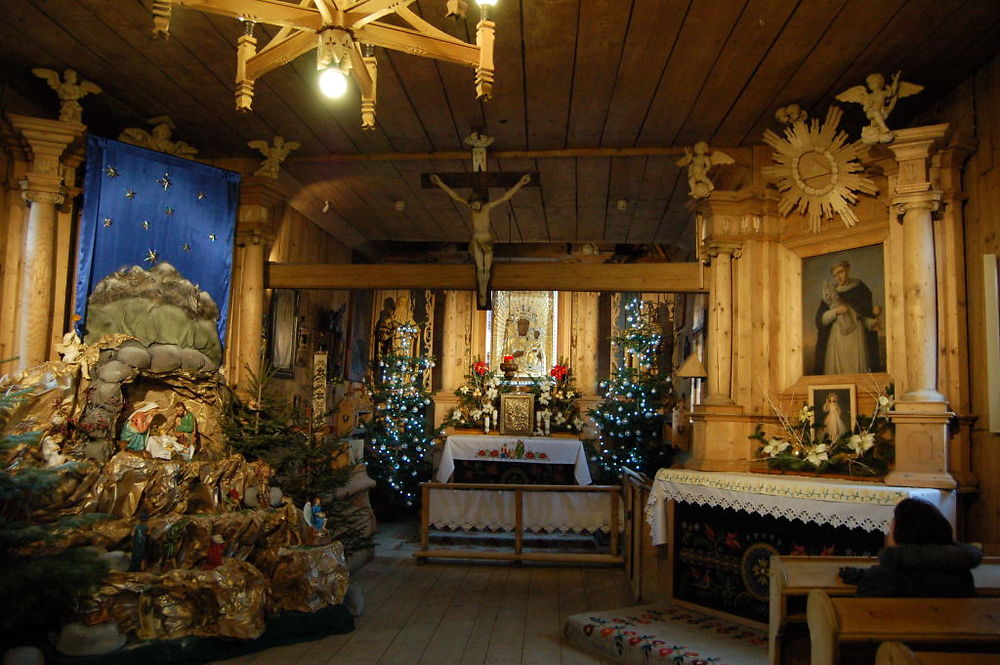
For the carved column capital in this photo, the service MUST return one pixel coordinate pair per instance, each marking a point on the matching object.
(35, 192)
(711, 249)
(929, 200)
(46, 140)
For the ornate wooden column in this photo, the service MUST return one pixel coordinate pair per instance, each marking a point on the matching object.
(44, 190)
(719, 436)
(260, 200)
(457, 349)
(922, 413)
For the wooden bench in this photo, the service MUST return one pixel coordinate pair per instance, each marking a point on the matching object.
(897, 653)
(793, 577)
(939, 622)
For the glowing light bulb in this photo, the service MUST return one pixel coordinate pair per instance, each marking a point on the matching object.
(333, 82)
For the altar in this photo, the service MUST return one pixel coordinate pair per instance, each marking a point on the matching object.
(722, 528)
(495, 508)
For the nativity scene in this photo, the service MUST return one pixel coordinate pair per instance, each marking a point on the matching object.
(679, 346)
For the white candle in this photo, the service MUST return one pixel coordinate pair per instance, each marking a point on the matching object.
(486, 425)
(548, 418)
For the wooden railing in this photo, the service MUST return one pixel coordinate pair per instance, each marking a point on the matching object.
(613, 557)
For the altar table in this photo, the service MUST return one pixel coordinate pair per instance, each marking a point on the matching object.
(536, 450)
(495, 509)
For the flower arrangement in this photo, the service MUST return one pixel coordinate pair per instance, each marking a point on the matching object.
(555, 402)
(478, 398)
(866, 450)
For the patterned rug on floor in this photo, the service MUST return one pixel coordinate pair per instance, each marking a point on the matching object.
(662, 633)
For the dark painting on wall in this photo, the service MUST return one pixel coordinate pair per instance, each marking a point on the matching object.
(358, 337)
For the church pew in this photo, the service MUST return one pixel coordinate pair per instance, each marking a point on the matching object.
(897, 653)
(840, 623)
(793, 577)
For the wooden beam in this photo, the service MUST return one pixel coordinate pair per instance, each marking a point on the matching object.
(610, 277)
(453, 155)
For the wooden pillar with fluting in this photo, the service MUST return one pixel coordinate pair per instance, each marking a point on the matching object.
(719, 350)
(260, 200)
(922, 414)
(44, 190)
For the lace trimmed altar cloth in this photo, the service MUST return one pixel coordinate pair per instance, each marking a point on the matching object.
(867, 506)
(493, 509)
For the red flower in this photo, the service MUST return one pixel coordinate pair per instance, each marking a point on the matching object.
(731, 540)
(481, 368)
(827, 551)
(799, 549)
(634, 640)
(494, 453)
(508, 359)
(709, 532)
(529, 455)
(543, 455)
(559, 372)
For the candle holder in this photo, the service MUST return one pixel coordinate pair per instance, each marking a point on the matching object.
(508, 367)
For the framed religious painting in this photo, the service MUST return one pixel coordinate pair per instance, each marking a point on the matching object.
(284, 332)
(843, 306)
(517, 416)
(522, 327)
(834, 408)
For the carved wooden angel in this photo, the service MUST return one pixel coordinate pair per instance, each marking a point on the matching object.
(698, 162)
(158, 138)
(70, 91)
(878, 100)
(274, 155)
(479, 143)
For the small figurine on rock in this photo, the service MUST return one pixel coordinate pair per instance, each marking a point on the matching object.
(313, 513)
(216, 550)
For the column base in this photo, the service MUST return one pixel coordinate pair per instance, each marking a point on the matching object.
(719, 438)
(922, 441)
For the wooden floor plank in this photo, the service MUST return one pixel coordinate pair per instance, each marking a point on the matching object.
(507, 639)
(486, 616)
(448, 642)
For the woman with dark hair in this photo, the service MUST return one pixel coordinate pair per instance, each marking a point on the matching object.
(921, 558)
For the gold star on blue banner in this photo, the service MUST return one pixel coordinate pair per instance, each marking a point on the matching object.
(168, 211)
(164, 181)
(151, 256)
(186, 247)
(145, 225)
(130, 193)
(111, 171)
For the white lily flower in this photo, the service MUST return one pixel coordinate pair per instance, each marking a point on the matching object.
(817, 455)
(775, 446)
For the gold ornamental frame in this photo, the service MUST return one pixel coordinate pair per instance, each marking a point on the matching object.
(517, 414)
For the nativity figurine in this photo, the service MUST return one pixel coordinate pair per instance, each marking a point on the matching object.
(878, 99)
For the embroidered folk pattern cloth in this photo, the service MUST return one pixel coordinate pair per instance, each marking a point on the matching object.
(539, 450)
(867, 506)
(662, 633)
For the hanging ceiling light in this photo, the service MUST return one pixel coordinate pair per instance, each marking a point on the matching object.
(344, 28)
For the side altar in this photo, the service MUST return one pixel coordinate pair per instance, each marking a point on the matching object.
(721, 529)
(513, 459)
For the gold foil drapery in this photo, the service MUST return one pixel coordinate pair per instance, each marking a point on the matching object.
(306, 579)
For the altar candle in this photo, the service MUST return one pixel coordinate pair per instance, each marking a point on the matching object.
(486, 425)
(547, 420)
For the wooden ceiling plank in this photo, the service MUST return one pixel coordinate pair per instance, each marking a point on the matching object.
(707, 28)
(340, 188)
(519, 276)
(558, 178)
(592, 178)
(738, 63)
(402, 127)
(456, 82)
(649, 43)
(601, 36)
(625, 179)
(549, 52)
(673, 221)
(651, 204)
(422, 86)
(434, 226)
(810, 20)
(504, 115)
(851, 31)
(194, 91)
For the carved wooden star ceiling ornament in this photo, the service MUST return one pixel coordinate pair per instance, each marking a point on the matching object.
(817, 171)
(344, 32)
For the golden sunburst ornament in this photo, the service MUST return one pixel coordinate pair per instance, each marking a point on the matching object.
(817, 170)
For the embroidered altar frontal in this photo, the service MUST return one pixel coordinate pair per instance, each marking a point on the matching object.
(723, 556)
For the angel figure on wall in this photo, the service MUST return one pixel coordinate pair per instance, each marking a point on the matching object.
(158, 138)
(479, 143)
(878, 100)
(70, 91)
(274, 155)
(699, 162)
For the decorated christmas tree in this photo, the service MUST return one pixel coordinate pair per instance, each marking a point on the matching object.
(400, 435)
(636, 396)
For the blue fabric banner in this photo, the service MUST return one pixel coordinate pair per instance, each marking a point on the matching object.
(142, 207)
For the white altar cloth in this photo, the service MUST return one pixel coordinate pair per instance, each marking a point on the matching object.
(822, 501)
(537, 450)
(543, 511)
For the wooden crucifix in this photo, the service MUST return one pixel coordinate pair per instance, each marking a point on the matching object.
(480, 182)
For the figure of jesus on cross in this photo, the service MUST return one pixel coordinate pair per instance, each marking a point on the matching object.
(481, 246)
(479, 181)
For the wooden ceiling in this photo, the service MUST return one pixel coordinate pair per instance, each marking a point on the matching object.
(575, 80)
